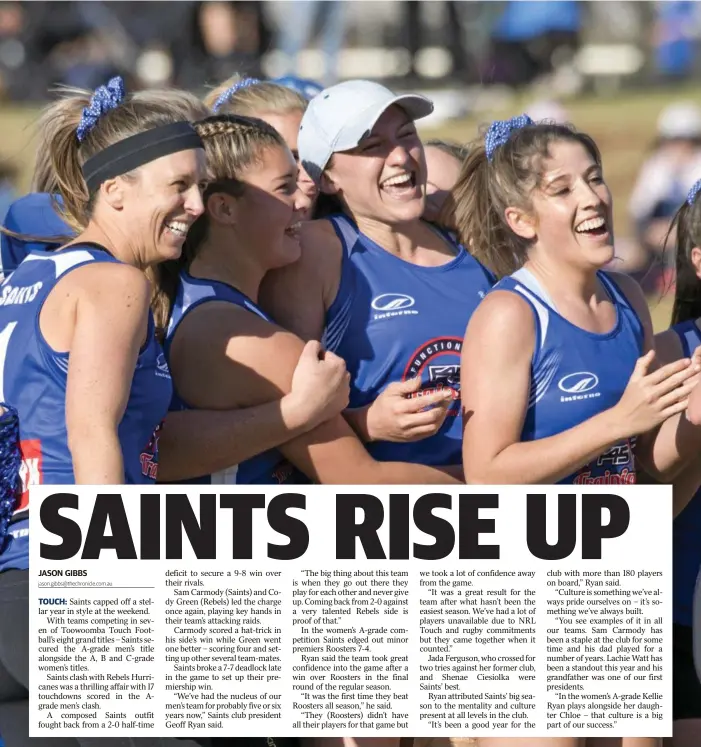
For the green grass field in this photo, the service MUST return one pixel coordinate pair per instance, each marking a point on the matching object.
(623, 126)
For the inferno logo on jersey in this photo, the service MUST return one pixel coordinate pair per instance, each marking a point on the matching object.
(162, 369)
(388, 305)
(438, 362)
(614, 467)
(149, 456)
(31, 470)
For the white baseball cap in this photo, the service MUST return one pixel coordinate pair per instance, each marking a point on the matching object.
(339, 117)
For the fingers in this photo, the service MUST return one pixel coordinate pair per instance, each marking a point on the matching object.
(333, 359)
(429, 419)
(405, 387)
(642, 365)
(441, 398)
(312, 350)
(680, 394)
(674, 381)
(664, 372)
(673, 410)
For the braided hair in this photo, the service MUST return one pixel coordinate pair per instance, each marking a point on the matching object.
(232, 143)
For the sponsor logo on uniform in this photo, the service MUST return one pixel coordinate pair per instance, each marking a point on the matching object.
(613, 467)
(149, 456)
(162, 369)
(282, 472)
(442, 374)
(389, 305)
(19, 294)
(449, 375)
(578, 386)
(31, 471)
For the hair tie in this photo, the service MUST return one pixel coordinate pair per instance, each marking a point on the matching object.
(103, 100)
(224, 97)
(693, 192)
(501, 130)
(10, 462)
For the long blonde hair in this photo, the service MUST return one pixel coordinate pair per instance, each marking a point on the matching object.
(249, 97)
(57, 168)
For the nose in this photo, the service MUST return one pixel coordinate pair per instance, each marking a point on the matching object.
(194, 204)
(303, 200)
(303, 177)
(398, 155)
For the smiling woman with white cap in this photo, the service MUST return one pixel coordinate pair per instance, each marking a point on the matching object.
(391, 293)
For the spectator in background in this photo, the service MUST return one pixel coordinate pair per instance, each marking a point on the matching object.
(527, 35)
(297, 31)
(674, 38)
(662, 184)
(415, 31)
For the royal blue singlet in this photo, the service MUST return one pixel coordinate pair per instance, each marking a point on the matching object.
(33, 380)
(269, 468)
(686, 537)
(392, 320)
(576, 374)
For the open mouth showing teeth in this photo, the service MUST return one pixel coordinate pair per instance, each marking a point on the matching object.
(592, 227)
(293, 230)
(178, 228)
(399, 182)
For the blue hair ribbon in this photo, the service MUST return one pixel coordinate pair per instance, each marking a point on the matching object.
(104, 99)
(224, 97)
(501, 130)
(693, 192)
(10, 462)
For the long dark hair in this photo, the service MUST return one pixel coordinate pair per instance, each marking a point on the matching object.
(687, 295)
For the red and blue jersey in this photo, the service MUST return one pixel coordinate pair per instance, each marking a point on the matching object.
(393, 320)
(576, 374)
(33, 380)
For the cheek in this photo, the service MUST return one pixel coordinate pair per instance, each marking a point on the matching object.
(278, 210)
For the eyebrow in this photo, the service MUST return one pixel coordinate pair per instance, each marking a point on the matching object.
(287, 176)
(566, 177)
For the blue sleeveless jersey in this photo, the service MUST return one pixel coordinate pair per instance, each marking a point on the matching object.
(33, 380)
(393, 320)
(269, 468)
(576, 374)
(686, 542)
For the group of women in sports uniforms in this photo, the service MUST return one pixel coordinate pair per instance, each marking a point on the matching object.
(258, 288)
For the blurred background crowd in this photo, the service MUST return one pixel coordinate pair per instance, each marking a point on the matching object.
(623, 71)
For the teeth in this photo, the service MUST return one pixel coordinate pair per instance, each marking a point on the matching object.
(178, 227)
(394, 181)
(590, 225)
